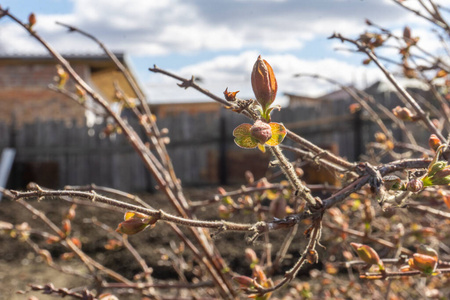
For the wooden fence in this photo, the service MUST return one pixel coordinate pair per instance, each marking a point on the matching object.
(201, 146)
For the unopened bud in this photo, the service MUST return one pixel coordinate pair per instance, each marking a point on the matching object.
(434, 142)
(249, 176)
(403, 114)
(164, 131)
(80, 92)
(71, 212)
(261, 131)
(258, 272)
(368, 255)
(354, 107)
(407, 33)
(76, 242)
(131, 226)
(66, 226)
(243, 281)
(264, 83)
(251, 256)
(409, 72)
(366, 61)
(414, 185)
(135, 222)
(299, 172)
(380, 137)
(424, 263)
(31, 20)
(427, 250)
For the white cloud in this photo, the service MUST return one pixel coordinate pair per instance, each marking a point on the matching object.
(175, 26)
(165, 27)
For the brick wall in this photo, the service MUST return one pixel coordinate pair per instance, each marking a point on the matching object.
(25, 97)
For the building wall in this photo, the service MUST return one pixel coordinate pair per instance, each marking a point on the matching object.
(25, 97)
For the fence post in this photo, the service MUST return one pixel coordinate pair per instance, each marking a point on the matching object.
(222, 165)
(358, 134)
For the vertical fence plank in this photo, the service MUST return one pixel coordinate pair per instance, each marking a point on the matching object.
(200, 144)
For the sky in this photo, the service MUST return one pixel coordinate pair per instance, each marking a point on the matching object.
(217, 41)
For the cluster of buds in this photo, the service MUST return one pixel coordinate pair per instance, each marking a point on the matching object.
(404, 114)
(371, 40)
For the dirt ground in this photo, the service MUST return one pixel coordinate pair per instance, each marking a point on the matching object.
(20, 265)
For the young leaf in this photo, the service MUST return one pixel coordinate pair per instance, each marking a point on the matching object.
(278, 134)
(243, 136)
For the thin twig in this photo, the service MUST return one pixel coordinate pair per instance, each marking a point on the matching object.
(422, 115)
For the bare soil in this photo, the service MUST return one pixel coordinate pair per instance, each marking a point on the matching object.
(21, 266)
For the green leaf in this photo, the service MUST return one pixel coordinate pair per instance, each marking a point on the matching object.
(261, 148)
(427, 181)
(278, 134)
(243, 137)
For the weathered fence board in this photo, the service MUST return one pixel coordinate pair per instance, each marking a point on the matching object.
(201, 147)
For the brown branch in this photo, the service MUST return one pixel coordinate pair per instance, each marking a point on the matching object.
(240, 192)
(439, 22)
(291, 135)
(62, 292)
(141, 286)
(185, 83)
(314, 238)
(300, 190)
(177, 199)
(259, 227)
(366, 237)
(429, 210)
(422, 115)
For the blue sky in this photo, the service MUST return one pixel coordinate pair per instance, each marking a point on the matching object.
(216, 40)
